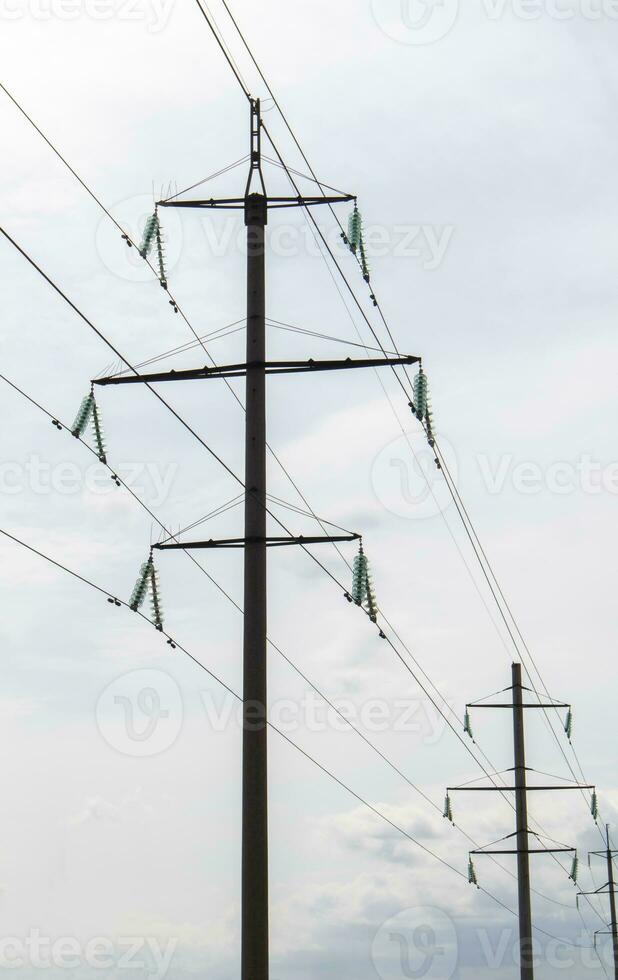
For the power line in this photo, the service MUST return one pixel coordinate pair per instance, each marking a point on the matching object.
(376, 303)
(175, 537)
(457, 502)
(451, 486)
(122, 358)
(173, 301)
(224, 49)
(482, 557)
(159, 397)
(115, 350)
(321, 185)
(288, 171)
(199, 340)
(277, 648)
(454, 491)
(364, 802)
(225, 466)
(284, 167)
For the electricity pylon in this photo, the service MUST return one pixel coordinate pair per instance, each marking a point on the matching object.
(256, 205)
(608, 888)
(522, 832)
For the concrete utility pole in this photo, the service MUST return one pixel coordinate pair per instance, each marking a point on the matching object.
(255, 730)
(256, 205)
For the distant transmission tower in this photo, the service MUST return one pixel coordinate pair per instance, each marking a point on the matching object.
(608, 888)
(522, 832)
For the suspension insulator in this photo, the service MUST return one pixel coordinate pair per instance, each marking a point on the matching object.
(448, 809)
(421, 395)
(83, 416)
(161, 255)
(141, 586)
(155, 598)
(363, 260)
(355, 230)
(472, 873)
(363, 592)
(150, 232)
(468, 725)
(148, 581)
(430, 434)
(371, 603)
(359, 577)
(568, 725)
(594, 806)
(98, 432)
(574, 869)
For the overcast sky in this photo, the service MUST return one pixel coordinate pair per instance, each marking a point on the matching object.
(481, 143)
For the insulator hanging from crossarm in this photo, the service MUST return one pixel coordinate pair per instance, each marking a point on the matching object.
(371, 603)
(150, 232)
(140, 588)
(448, 809)
(155, 598)
(421, 394)
(359, 577)
(430, 432)
(363, 592)
(468, 725)
(89, 412)
(421, 406)
(355, 229)
(148, 582)
(98, 432)
(594, 806)
(356, 242)
(83, 416)
(568, 725)
(153, 235)
(161, 255)
(363, 260)
(472, 879)
(574, 869)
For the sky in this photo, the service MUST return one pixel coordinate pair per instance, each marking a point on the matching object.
(479, 139)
